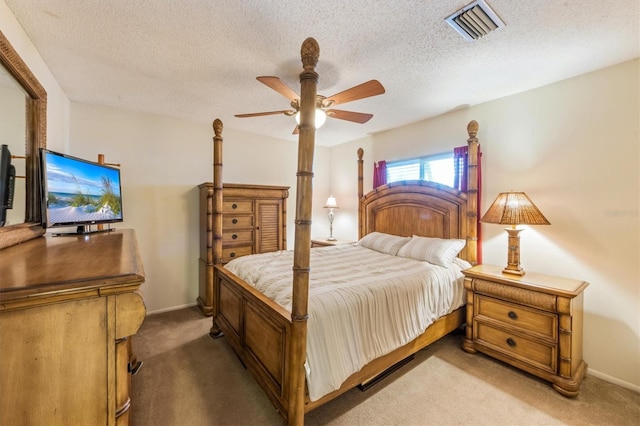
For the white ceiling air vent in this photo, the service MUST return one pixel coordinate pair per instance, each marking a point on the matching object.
(475, 20)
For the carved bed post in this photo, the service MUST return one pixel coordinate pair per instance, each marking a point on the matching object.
(472, 193)
(310, 52)
(360, 190)
(217, 214)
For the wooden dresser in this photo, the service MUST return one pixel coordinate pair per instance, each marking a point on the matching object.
(533, 322)
(254, 221)
(68, 307)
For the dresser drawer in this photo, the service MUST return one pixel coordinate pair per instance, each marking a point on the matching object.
(230, 253)
(537, 354)
(237, 221)
(237, 206)
(534, 321)
(231, 236)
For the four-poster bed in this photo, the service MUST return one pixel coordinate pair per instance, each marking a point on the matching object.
(271, 340)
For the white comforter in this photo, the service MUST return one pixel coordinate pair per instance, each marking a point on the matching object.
(362, 304)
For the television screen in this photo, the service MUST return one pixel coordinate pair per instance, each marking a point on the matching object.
(78, 192)
(7, 183)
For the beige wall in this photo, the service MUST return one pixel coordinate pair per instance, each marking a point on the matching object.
(162, 162)
(574, 148)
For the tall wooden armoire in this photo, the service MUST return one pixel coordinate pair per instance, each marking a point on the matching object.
(254, 221)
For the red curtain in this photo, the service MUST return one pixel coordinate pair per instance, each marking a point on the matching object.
(379, 173)
(460, 159)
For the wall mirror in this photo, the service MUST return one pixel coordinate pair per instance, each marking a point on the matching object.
(31, 107)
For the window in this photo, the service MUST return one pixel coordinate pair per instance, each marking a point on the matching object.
(435, 168)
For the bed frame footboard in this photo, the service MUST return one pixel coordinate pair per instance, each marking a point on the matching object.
(258, 330)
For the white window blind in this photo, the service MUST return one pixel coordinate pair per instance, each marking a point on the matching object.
(403, 170)
(435, 168)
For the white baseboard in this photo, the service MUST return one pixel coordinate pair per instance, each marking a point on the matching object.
(172, 308)
(614, 380)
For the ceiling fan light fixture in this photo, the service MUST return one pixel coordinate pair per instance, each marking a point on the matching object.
(323, 103)
(475, 20)
(321, 117)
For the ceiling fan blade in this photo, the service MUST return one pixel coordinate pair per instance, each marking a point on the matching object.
(356, 117)
(259, 114)
(361, 91)
(279, 86)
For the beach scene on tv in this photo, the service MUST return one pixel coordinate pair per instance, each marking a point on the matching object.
(78, 191)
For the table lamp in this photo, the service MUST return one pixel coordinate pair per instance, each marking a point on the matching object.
(331, 204)
(514, 208)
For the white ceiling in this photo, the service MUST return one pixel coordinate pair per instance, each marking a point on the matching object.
(197, 60)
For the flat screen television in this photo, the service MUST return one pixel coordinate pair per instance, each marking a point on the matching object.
(79, 193)
(7, 183)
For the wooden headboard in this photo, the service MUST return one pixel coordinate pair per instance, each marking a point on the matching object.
(414, 208)
(423, 208)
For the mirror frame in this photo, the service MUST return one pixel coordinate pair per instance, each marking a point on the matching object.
(35, 138)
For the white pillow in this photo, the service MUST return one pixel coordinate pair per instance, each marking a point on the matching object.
(433, 250)
(384, 243)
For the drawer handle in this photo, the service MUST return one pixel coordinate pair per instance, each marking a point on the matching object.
(232, 255)
(234, 206)
(234, 236)
(512, 315)
(234, 221)
(511, 342)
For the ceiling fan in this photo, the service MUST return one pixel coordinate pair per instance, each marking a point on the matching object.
(324, 104)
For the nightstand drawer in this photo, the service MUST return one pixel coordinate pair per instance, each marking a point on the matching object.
(512, 315)
(534, 353)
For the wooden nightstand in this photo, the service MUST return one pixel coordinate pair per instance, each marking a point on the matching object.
(532, 322)
(324, 243)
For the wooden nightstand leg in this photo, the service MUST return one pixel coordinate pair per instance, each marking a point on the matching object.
(467, 346)
(571, 366)
(467, 342)
(571, 388)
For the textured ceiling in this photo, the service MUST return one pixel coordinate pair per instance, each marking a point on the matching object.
(197, 60)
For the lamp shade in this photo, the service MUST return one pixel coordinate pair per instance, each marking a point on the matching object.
(514, 208)
(331, 203)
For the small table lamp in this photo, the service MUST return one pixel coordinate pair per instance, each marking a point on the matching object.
(331, 204)
(514, 208)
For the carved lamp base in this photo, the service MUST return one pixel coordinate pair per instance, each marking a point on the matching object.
(513, 255)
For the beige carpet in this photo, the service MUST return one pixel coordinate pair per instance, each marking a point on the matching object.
(189, 379)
